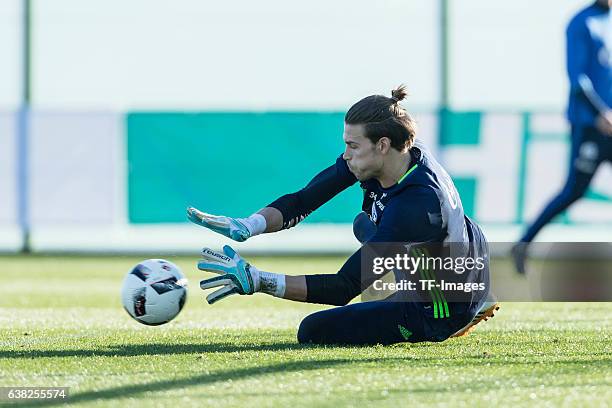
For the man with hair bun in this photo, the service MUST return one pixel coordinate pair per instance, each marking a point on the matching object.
(408, 198)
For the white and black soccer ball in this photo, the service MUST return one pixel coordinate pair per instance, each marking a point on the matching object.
(154, 292)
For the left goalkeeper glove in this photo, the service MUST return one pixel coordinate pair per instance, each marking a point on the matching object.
(235, 274)
(230, 227)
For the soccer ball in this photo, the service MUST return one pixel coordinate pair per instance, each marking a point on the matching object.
(154, 292)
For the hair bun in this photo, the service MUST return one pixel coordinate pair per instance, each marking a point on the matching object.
(399, 93)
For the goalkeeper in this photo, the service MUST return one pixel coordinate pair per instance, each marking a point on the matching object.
(408, 198)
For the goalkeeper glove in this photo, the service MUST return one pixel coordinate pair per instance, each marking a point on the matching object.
(230, 227)
(235, 274)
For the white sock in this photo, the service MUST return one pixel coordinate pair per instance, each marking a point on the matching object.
(256, 224)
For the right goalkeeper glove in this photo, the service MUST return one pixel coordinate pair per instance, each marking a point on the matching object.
(235, 275)
(230, 227)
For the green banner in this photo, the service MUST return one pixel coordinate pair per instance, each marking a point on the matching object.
(230, 163)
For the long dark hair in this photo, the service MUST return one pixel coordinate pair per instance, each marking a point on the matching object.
(384, 117)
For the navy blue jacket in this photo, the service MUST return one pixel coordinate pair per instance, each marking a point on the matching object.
(423, 207)
(589, 52)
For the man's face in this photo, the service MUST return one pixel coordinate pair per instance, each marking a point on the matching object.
(363, 158)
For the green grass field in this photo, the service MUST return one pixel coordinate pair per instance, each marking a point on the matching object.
(62, 325)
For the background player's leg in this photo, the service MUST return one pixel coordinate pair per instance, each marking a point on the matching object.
(585, 158)
(379, 322)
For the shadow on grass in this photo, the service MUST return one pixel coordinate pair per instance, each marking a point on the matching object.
(136, 390)
(156, 349)
(203, 379)
(151, 349)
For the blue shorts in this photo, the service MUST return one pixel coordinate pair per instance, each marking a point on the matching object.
(389, 322)
(590, 148)
(383, 322)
